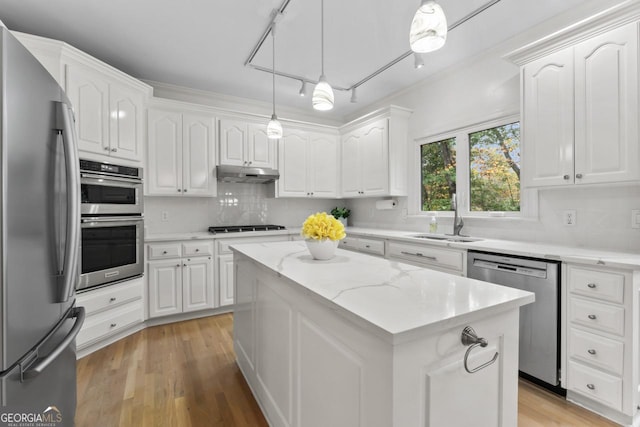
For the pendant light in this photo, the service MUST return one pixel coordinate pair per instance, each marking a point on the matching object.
(428, 28)
(323, 93)
(274, 128)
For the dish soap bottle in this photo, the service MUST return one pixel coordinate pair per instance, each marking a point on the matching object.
(433, 225)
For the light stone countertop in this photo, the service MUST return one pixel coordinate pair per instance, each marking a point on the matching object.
(165, 237)
(397, 301)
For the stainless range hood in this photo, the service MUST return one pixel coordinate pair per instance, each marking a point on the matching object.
(249, 175)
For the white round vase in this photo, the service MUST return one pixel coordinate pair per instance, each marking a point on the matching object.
(322, 249)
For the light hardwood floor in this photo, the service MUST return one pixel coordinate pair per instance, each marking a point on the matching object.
(184, 374)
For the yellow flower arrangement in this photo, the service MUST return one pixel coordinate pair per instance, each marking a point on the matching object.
(322, 226)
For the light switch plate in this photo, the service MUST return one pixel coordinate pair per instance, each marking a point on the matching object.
(635, 218)
(569, 218)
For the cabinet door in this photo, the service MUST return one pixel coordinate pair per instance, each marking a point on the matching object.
(165, 288)
(350, 165)
(374, 159)
(606, 74)
(125, 118)
(225, 272)
(547, 120)
(198, 158)
(164, 176)
(197, 284)
(89, 95)
(260, 149)
(322, 175)
(293, 165)
(233, 142)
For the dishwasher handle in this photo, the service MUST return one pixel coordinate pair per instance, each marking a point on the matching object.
(510, 268)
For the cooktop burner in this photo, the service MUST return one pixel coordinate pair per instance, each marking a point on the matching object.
(243, 228)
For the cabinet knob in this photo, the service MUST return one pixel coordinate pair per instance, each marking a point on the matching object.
(250, 162)
(592, 316)
(591, 386)
(177, 265)
(578, 175)
(106, 148)
(113, 325)
(591, 285)
(184, 191)
(566, 177)
(164, 252)
(591, 351)
(179, 190)
(367, 246)
(197, 250)
(114, 150)
(112, 299)
(184, 265)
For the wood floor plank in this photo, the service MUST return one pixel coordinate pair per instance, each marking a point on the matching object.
(185, 375)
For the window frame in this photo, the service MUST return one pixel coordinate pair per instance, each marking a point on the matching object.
(528, 197)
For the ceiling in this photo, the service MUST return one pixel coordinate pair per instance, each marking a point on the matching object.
(203, 44)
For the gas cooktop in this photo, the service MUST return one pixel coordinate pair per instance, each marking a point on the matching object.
(243, 228)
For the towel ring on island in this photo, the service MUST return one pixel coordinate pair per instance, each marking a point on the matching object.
(470, 338)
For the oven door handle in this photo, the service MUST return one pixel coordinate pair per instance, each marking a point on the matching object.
(112, 219)
(106, 178)
(69, 273)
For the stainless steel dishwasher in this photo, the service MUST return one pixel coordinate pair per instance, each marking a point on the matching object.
(539, 356)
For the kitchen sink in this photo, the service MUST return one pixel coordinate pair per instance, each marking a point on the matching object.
(461, 239)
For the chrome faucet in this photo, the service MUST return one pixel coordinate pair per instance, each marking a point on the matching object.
(458, 223)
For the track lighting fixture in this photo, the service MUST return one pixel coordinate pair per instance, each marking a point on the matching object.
(274, 128)
(303, 89)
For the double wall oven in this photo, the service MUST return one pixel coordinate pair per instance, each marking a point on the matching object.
(112, 223)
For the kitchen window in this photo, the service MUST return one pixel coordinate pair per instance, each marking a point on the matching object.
(481, 164)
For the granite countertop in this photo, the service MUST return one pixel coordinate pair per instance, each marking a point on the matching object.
(530, 249)
(399, 301)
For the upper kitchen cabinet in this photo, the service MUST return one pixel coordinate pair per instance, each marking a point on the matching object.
(181, 152)
(580, 107)
(244, 143)
(374, 154)
(108, 104)
(308, 164)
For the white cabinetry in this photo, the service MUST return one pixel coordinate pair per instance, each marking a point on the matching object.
(246, 144)
(602, 341)
(180, 277)
(108, 104)
(181, 159)
(363, 244)
(308, 164)
(374, 151)
(111, 310)
(580, 112)
(448, 260)
(224, 263)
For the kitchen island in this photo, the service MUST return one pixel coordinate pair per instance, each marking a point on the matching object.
(364, 341)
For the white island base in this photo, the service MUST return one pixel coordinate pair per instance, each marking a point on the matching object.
(330, 343)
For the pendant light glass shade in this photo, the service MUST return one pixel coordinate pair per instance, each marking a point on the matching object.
(428, 28)
(322, 95)
(274, 128)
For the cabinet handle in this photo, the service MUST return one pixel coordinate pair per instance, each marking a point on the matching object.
(591, 386)
(566, 177)
(592, 316)
(578, 175)
(591, 285)
(591, 351)
(367, 246)
(470, 338)
(418, 254)
(112, 299)
(113, 325)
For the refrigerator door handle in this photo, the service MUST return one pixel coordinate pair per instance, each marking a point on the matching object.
(70, 274)
(41, 364)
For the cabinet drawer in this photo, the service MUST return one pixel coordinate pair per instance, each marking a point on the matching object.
(597, 284)
(371, 246)
(602, 352)
(164, 250)
(110, 296)
(197, 248)
(605, 317)
(109, 322)
(605, 388)
(427, 255)
(223, 244)
(349, 243)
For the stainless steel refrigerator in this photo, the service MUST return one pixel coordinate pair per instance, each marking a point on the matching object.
(39, 242)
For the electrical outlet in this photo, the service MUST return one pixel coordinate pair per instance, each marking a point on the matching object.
(164, 216)
(635, 218)
(569, 218)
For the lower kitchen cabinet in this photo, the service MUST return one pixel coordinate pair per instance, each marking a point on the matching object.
(183, 283)
(363, 244)
(448, 260)
(225, 273)
(110, 310)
